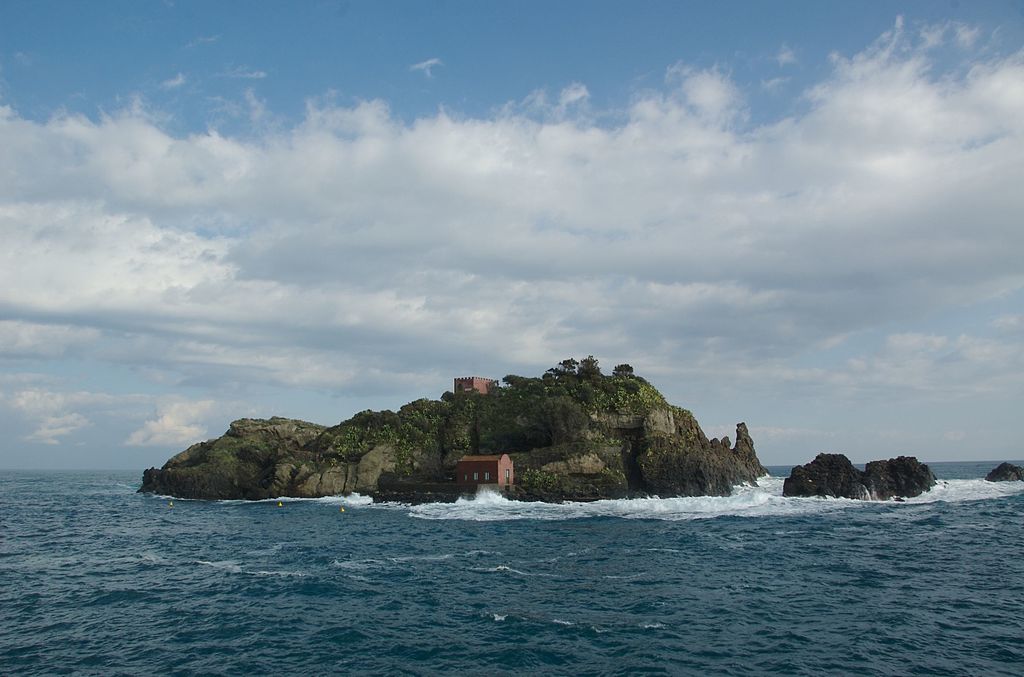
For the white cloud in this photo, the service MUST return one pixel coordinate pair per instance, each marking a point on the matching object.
(352, 249)
(1009, 322)
(203, 40)
(709, 92)
(53, 427)
(966, 36)
(785, 56)
(427, 67)
(257, 107)
(244, 73)
(24, 379)
(27, 339)
(771, 434)
(573, 94)
(54, 412)
(933, 35)
(176, 422)
(773, 84)
(175, 82)
(43, 401)
(51, 412)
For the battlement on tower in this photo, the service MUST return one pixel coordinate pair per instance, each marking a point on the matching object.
(467, 384)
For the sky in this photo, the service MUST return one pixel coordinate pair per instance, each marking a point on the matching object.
(808, 216)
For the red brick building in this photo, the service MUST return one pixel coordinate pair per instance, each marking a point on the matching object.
(494, 470)
(470, 383)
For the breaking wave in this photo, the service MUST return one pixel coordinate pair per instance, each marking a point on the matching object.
(764, 500)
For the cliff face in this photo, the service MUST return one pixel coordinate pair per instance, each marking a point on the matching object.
(688, 464)
(573, 434)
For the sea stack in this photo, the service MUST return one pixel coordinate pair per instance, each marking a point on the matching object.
(1006, 472)
(833, 475)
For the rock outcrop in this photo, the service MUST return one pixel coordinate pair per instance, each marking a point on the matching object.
(1006, 472)
(833, 475)
(901, 477)
(828, 475)
(687, 463)
(265, 458)
(573, 435)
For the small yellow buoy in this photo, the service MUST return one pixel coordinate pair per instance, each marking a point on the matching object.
(280, 504)
(341, 509)
(170, 504)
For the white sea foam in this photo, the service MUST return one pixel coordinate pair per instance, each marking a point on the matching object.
(500, 617)
(764, 500)
(359, 564)
(422, 558)
(233, 567)
(953, 491)
(501, 568)
(283, 574)
(353, 500)
(400, 560)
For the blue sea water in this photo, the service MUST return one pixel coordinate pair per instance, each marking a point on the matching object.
(96, 579)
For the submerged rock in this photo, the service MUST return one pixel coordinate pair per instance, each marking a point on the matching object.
(833, 475)
(1006, 472)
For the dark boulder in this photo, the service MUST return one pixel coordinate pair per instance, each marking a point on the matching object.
(902, 477)
(1006, 472)
(833, 475)
(829, 475)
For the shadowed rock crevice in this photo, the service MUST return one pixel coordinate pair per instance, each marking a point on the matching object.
(633, 446)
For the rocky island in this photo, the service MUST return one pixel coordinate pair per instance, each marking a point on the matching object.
(1006, 472)
(834, 476)
(573, 433)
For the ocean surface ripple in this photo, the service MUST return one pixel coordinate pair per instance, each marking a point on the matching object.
(96, 579)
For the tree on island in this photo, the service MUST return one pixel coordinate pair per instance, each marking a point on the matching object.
(589, 369)
(622, 370)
